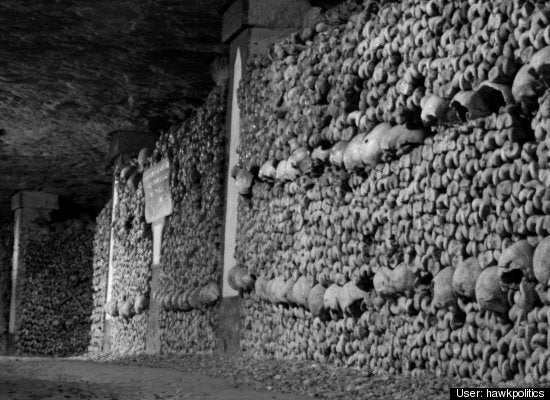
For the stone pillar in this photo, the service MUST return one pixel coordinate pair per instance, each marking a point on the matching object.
(249, 27)
(27, 207)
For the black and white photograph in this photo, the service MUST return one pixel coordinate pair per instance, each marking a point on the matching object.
(274, 199)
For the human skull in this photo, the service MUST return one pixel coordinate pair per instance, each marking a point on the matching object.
(126, 309)
(400, 136)
(300, 291)
(336, 157)
(435, 110)
(210, 293)
(268, 171)
(280, 173)
(516, 263)
(540, 62)
(495, 95)
(292, 170)
(141, 304)
(469, 105)
(527, 88)
(289, 284)
(316, 300)
(381, 282)
(300, 159)
(331, 296)
(244, 181)
(278, 290)
(402, 280)
(320, 154)
(465, 277)
(194, 298)
(352, 154)
(443, 294)
(489, 294)
(349, 295)
(371, 149)
(183, 303)
(526, 297)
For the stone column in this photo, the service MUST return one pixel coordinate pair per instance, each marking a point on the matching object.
(249, 27)
(27, 207)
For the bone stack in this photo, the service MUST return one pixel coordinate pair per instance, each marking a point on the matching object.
(190, 251)
(405, 229)
(55, 294)
(100, 274)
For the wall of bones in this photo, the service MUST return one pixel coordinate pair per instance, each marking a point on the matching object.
(191, 258)
(6, 250)
(100, 275)
(55, 291)
(394, 170)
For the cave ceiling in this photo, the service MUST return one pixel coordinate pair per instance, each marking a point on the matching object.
(72, 71)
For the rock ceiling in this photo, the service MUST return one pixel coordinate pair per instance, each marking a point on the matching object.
(71, 71)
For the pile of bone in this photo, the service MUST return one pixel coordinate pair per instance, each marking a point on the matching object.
(100, 273)
(192, 332)
(55, 292)
(474, 194)
(131, 271)
(191, 252)
(400, 63)
(187, 300)
(442, 330)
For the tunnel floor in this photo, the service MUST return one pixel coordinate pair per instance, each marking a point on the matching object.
(38, 379)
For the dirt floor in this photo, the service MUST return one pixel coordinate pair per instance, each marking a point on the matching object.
(213, 377)
(38, 379)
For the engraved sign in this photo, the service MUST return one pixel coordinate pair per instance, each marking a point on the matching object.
(156, 184)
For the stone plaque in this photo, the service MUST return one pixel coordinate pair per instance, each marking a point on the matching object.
(158, 199)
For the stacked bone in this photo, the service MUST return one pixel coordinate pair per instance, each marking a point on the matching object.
(341, 76)
(191, 255)
(101, 270)
(468, 194)
(6, 251)
(191, 258)
(278, 94)
(472, 198)
(473, 194)
(55, 291)
(132, 271)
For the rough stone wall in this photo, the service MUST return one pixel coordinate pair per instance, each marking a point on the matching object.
(379, 246)
(101, 271)
(190, 255)
(55, 292)
(6, 251)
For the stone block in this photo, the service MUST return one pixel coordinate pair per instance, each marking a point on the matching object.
(267, 14)
(277, 14)
(40, 200)
(234, 20)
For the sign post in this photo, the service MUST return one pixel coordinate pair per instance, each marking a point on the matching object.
(158, 205)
